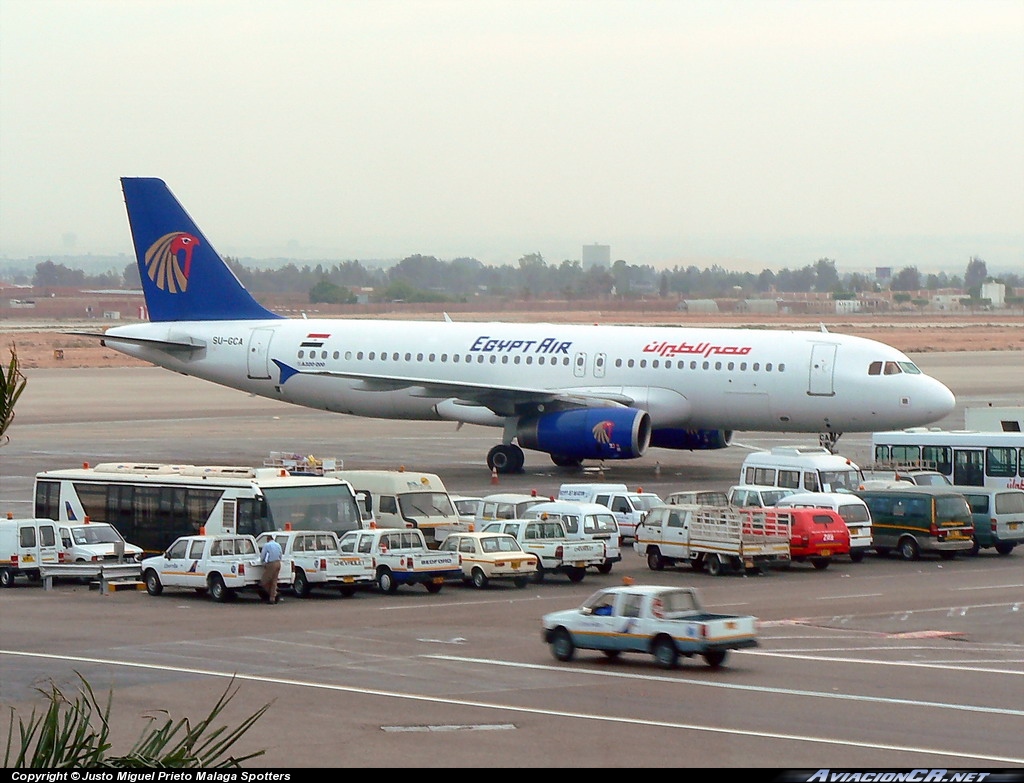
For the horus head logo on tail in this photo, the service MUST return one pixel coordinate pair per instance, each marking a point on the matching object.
(169, 261)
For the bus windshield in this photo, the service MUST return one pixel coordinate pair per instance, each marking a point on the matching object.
(327, 507)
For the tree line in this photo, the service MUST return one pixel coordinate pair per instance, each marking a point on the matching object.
(419, 278)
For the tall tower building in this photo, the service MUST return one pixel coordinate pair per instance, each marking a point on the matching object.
(597, 255)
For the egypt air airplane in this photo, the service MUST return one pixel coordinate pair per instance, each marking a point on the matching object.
(575, 392)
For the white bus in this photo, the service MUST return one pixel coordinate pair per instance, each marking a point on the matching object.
(152, 505)
(967, 457)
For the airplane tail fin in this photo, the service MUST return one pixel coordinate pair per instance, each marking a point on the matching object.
(183, 278)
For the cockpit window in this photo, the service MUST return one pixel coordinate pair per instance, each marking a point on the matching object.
(875, 368)
(910, 368)
(892, 368)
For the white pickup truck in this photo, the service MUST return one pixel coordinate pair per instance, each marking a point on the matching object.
(318, 562)
(217, 565)
(721, 539)
(401, 557)
(554, 550)
(665, 622)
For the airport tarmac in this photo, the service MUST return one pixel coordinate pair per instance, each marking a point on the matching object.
(878, 664)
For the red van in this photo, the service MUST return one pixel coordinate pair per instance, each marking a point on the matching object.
(816, 535)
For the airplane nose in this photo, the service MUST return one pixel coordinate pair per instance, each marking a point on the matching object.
(939, 399)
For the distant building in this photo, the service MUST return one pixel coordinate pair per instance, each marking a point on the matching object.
(883, 273)
(995, 293)
(698, 306)
(597, 256)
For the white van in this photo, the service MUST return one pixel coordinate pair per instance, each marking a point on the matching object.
(506, 505)
(698, 497)
(750, 496)
(584, 521)
(402, 498)
(94, 542)
(806, 468)
(25, 545)
(851, 508)
(628, 507)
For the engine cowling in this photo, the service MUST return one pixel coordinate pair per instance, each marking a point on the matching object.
(588, 433)
(693, 440)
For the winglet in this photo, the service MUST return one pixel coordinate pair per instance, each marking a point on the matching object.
(286, 371)
(183, 278)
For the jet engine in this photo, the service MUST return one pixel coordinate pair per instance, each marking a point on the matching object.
(694, 440)
(588, 433)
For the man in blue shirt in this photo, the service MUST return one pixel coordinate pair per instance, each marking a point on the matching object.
(271, 558)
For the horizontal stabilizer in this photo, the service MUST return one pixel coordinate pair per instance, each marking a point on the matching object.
(188, 344)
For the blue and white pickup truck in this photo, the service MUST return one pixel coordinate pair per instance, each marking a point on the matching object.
(665, 622)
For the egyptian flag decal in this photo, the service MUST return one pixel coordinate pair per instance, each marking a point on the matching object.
(314, 340)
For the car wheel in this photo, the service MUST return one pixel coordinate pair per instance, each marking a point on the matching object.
(433, 587)
(715, 565)
(576, 574)
(480, 580)
(856, 555)
(520, 582)
(6, 577)
(386, 581)
(665, 653)
(655, 561)
(347, 591)
(611, 655)
(975, 548)
(821, 563)
(909, 550)
(1004, 548)
(715, 658)
(948, 555)
(218, 590)
(153, 585)
(562, 646)
(300, 584)
(605, 567)
(538, 576)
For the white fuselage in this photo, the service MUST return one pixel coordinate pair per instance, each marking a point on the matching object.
(729, 379)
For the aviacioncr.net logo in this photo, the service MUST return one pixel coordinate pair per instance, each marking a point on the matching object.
(169, 261)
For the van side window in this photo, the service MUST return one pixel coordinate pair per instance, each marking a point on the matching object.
(47, 536)
(388, 504)
(789, 478)
(810, 481)
(28, 536)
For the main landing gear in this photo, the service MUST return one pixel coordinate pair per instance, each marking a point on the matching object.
(829, 440)
(506, 458)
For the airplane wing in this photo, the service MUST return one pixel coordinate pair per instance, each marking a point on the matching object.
(503, 400)
(187, 344)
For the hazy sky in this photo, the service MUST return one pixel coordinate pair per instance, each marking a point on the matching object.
(753, 133)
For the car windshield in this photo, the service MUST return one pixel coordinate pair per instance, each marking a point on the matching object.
(839, 480)
(95, 534)
(773, 496)
(646, 501)
(426, 504)
(932, 480)
(494, 544)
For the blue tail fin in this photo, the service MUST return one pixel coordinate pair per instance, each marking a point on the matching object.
(183, 278)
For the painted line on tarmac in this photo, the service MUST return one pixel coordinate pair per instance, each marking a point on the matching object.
(263, 679)
(755, 688)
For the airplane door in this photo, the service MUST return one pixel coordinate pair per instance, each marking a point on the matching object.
(823, 364)
(259, 353)
(579, 365)
(599, 362)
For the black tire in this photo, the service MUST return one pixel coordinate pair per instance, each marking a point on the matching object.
(975, 548)
(1004, 548)
(821, 563)
(665, 653)
(611, 655)
(562, 646)
(347, 591)
(218, 590)
(386, 581)
(857, 556)
(433, 587)
(538, 576)
(655, 561)
(909, 550)
(480, 580)
(300, 584)
(520, 582)
(6, 577)
(715, 565)
(715, 658)
(605, 567)
(948, 555)
(506, 458)
(153, 584)
(576, 574)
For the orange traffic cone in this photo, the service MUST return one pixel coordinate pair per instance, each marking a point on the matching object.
(494, 475)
